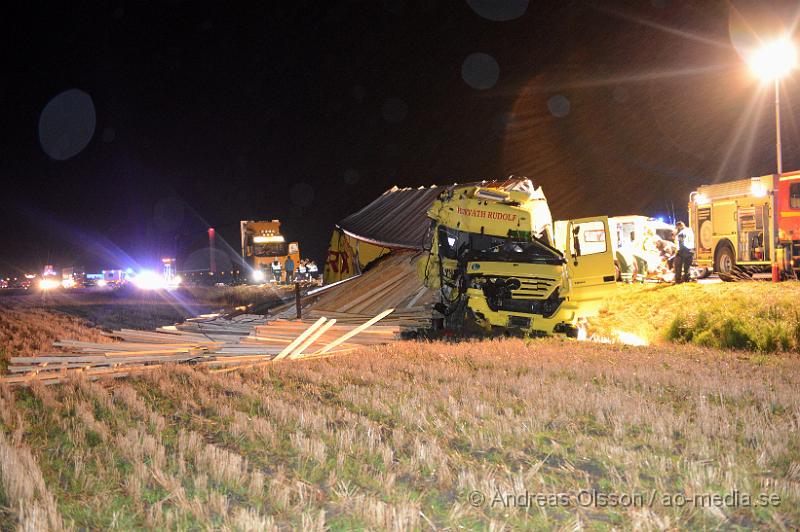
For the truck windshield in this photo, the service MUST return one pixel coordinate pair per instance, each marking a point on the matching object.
(507, 250)
(274, 249)
(473, 246)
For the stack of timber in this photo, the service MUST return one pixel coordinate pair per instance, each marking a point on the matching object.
(208, 341)
(392, 282)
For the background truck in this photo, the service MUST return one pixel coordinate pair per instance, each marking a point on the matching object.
(262, 244)
(748, 226)
(496, 263)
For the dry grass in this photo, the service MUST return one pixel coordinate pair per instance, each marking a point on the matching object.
(398, 437)
(28, 330)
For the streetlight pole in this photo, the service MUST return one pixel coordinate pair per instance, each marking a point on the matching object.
(778, 125)
(773, 61)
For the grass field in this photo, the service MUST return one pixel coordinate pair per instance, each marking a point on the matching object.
(755, 316)
(496, 434)
(403, 437)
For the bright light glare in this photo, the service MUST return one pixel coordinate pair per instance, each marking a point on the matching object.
(701, 199)
(68, 283)
(148, 280)
(258, 275)
(101, 283)
(758, 190)
(774, 60)
(48, 284)
(267, 239)
(630, 338)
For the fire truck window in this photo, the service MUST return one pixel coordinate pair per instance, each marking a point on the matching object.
(794, 196)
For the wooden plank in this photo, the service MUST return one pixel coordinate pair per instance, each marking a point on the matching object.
(369, 293)
(313, 338)
(354, 332)
(305, 334)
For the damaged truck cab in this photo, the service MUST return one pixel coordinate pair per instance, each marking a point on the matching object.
(496, 263)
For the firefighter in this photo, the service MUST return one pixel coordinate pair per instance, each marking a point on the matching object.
(302, 270)
(312, 270)
(276, 271)
(685, 256)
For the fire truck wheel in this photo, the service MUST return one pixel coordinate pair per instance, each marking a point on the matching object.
(724, 261)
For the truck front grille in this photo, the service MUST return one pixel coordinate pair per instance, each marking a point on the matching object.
(534, 287)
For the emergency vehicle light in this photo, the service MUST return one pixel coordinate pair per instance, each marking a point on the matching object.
(757, 189)
(267, 239)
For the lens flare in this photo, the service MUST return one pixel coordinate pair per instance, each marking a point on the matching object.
(48, 284)
(148, 280)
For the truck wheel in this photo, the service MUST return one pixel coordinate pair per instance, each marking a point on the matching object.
(724, 262)
(454, 321)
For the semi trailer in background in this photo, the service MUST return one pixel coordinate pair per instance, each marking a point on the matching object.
(263, 244)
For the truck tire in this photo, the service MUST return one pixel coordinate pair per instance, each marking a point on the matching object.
(724, 261)
(454, 320)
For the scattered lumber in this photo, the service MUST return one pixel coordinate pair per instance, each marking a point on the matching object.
(391, 282)
(337, 318)
(209, 341)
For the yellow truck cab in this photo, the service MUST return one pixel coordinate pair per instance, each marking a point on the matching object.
(495, 261)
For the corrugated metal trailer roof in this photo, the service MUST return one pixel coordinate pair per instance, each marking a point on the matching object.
(398, 218)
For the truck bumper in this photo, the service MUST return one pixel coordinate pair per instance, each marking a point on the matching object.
(560, 322)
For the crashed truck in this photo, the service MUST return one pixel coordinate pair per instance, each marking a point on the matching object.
(489, 253)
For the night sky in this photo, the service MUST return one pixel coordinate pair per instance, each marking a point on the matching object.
(130, 128)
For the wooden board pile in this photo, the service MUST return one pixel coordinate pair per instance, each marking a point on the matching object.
(391, 283)
(209, 341)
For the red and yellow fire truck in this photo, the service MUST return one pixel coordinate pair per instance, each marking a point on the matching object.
(748, 226)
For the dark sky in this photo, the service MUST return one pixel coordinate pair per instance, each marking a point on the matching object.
(177, 116)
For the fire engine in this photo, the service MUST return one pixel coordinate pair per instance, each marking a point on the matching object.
(748, 226)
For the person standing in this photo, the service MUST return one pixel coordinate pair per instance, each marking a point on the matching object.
(276, 271)
(289, 266)
(312, 270)
(685, 255)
